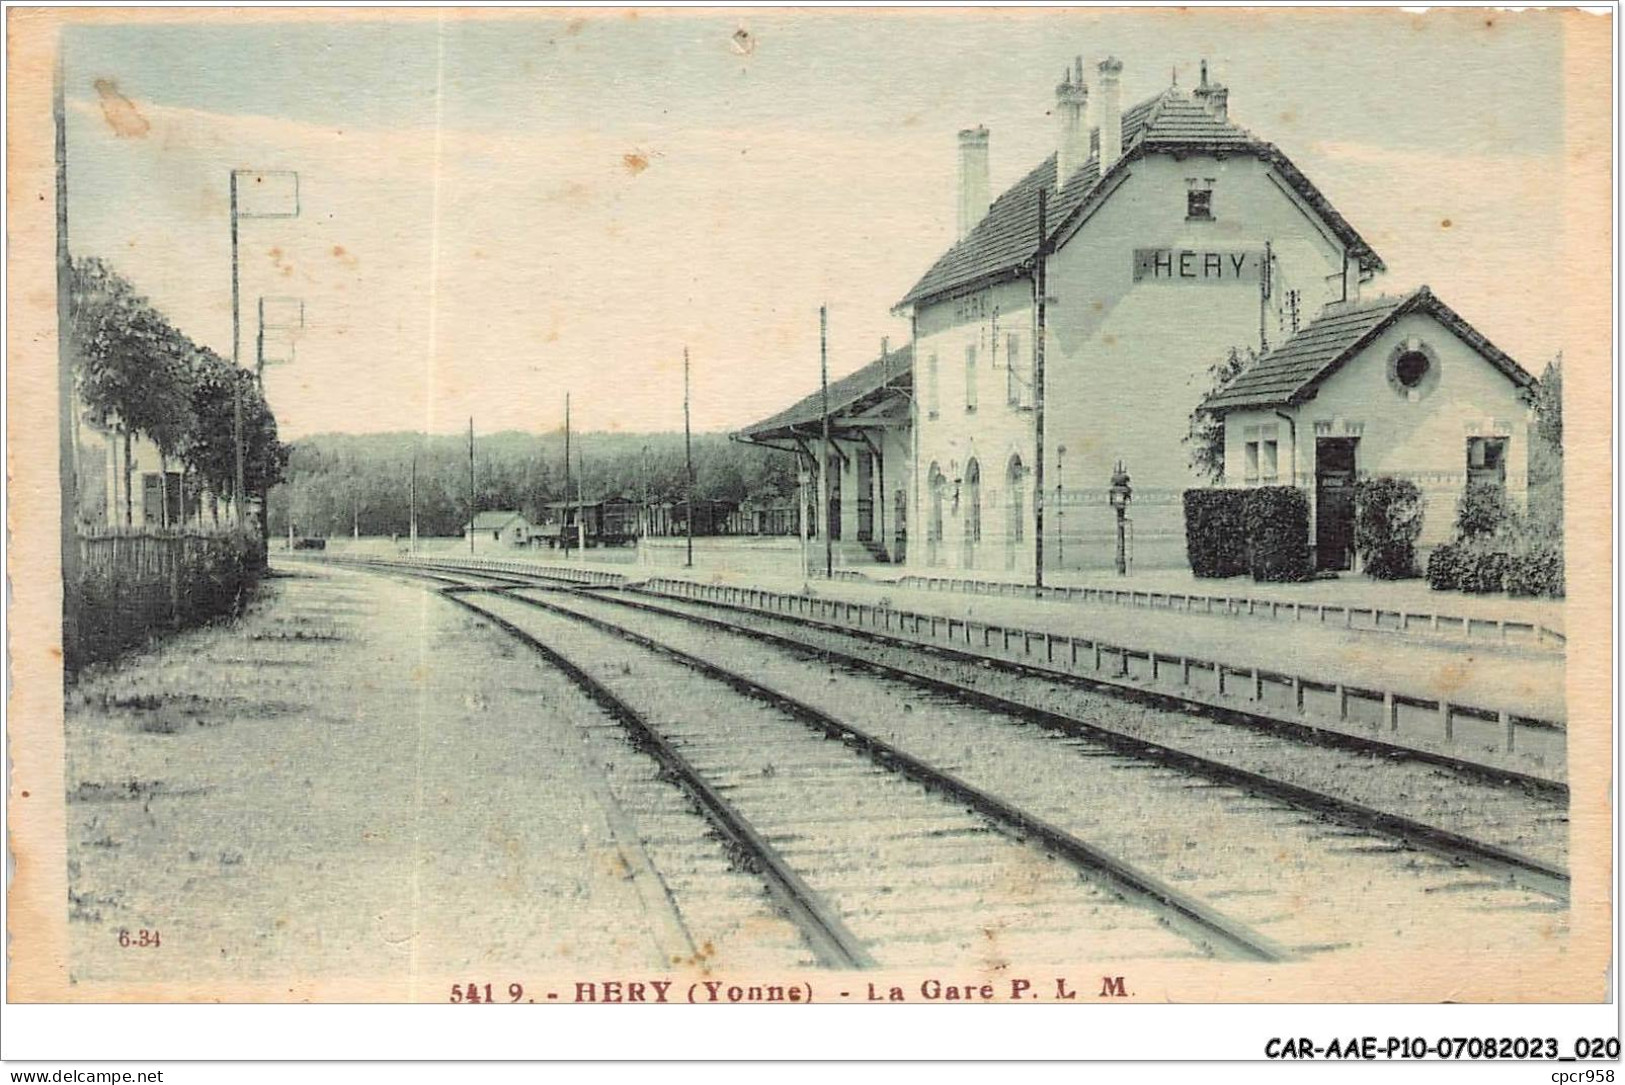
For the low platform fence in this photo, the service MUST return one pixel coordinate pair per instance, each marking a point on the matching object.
(1269, 693)
(1361, 618)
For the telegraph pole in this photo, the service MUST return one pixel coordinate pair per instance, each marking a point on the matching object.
(688, 461)
(240, 490)
(880, 451)
(470, 484)
(1040, 279)
(67, 457)
(823, 469)
(564, 515)
(412, 507)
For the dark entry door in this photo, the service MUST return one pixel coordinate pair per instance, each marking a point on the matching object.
(866, 497)
(1334, 502)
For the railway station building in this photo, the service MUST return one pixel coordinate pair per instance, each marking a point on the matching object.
(1154, 241)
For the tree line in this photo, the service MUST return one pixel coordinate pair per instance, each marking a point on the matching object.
(136, 373)
(336, 484)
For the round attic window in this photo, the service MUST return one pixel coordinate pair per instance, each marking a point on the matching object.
(1413, 369)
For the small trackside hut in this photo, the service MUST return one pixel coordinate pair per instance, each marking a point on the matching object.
(1390, 387)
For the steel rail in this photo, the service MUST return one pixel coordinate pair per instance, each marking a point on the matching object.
(1531, 873)
(428, 572)
(831, 942)
(1540, 787)
(1189, 911)
(1527, 871)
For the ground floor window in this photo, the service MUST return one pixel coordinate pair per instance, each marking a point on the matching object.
(1487, 461)
(1261, 463)
(1015, 528)
(933, 525)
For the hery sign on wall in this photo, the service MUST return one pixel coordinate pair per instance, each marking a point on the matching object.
(1198, 265)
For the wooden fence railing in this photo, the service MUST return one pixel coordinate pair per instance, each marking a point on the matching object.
(136, 584)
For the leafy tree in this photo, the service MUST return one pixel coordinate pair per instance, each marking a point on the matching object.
(137, 373)
(132, 365)
(212, 448)
(1204, 439)
(1546, 453)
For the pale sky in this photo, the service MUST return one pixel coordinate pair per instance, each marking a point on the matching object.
(499, 209)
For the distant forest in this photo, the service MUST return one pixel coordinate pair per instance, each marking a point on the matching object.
(337, 483)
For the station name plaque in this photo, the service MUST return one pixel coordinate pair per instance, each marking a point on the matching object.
(1197, 265)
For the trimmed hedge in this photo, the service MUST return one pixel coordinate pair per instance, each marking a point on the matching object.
(1216, 532)
(1277, 527)
(1505, 562)
(1387, 523)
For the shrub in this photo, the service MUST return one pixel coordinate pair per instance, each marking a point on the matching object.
(1482, 510)
(1215, 532)
(1444, 567)
(1277, 527)
(1535, 571)
(1483, 568)
(1388, 521)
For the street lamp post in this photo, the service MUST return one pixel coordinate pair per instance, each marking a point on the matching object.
(1121, 494)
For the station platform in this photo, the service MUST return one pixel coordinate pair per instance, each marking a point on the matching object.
(1523, 674)
(1524, 678)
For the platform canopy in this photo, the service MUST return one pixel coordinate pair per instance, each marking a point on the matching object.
(875, 397)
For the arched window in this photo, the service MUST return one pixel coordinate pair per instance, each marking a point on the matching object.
(973, 511)
(1015, 510)
(933, 525)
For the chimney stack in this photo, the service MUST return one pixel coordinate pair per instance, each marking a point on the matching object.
(1214, 97)
(974, 196)
(1072, 136)
(1111, 113)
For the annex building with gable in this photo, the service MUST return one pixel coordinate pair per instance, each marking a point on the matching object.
(1162, 237)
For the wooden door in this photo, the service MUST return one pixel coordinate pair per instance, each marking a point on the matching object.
(1334, 502)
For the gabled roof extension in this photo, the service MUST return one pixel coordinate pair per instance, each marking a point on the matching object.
(1292, 372)
(892, 372)
(1002, 245)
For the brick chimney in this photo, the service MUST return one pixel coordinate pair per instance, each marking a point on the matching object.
(1072, 129)
(1111, 113)
(974, 196)
(1214, 97)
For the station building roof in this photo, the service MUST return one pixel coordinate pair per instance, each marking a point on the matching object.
(1291, 373)
(889, 375)
(1002, 245)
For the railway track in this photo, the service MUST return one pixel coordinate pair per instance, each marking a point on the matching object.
(1504, 828)
(1504, 823)
(956, 866)
(853, 835)
(1335, 827)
